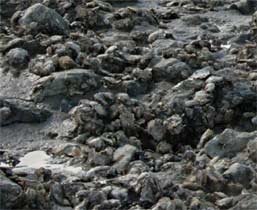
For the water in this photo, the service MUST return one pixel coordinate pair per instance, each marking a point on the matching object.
(39, 159)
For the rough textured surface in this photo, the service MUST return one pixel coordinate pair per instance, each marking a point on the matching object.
(135, 104)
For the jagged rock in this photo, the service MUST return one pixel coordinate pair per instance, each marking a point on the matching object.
(21, 113)
(11, 194)
(68, 83)
(246, 202)
(123, 156)
(245, 7)
(239, 173)
(18, 58)
(229, 143)
(171, 70)
(42, 19)
(252, 150)
(156, 129)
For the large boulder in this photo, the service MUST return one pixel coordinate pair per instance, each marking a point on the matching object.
(20, 112)
(68, 83)
(43, 19)
(239, 173)
(229, 143)
(11, 194)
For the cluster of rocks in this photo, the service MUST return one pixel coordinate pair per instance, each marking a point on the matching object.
(158, 103)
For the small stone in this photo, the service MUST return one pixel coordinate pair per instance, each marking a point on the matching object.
(72, 150)
(156, 129)
(123, 156)
(18, 58)
(163, 147)
(207, 135)
(65, 63)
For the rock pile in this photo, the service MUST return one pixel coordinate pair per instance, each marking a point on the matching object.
(141, 105)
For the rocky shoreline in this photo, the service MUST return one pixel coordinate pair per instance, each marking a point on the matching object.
(128, 104)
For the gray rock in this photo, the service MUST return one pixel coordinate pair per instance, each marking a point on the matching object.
(171, 70)
(149, 189)
(123, 156)
(17, 112)
(18, 58)
(207, 135)
(246, 202)
(246, 7)
(164, 203)
(11, 194)
(156, 129)
(252, 150)
(120, 194)
(68, 83)
(33, 46)
(72, 150)
(239, 173)
(228, 143)
(109, 204)
(174, 124)
(93, 173)
(195, 20)
(47, 20)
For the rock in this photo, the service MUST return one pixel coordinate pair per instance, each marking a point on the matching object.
(46, 20)
(120, 194)
(42, 67)
(164, 203)
(113, 61)
(164, 147)
(65, 63)
(252, 150)
(207, 135)
(72, 150)
(109, 204)
(98, 143)
(174, 124)
(93, 197)
(11, 194)
(171, 70)
(33, 46)
(156, 129)
(153, 104)
(228, 143)
(21, 113)
(18, 58)
(98, 171)
(246, 7)
(123, 156)
(101, 158)
(148, 187)
(246, 202)
(68, 83)
(239, 173)
(225, 202)
(194, 20)
(202, 73)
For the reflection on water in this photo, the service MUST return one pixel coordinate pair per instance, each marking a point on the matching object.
(38, 159)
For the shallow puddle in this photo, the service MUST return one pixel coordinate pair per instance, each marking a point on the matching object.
(39, 159)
